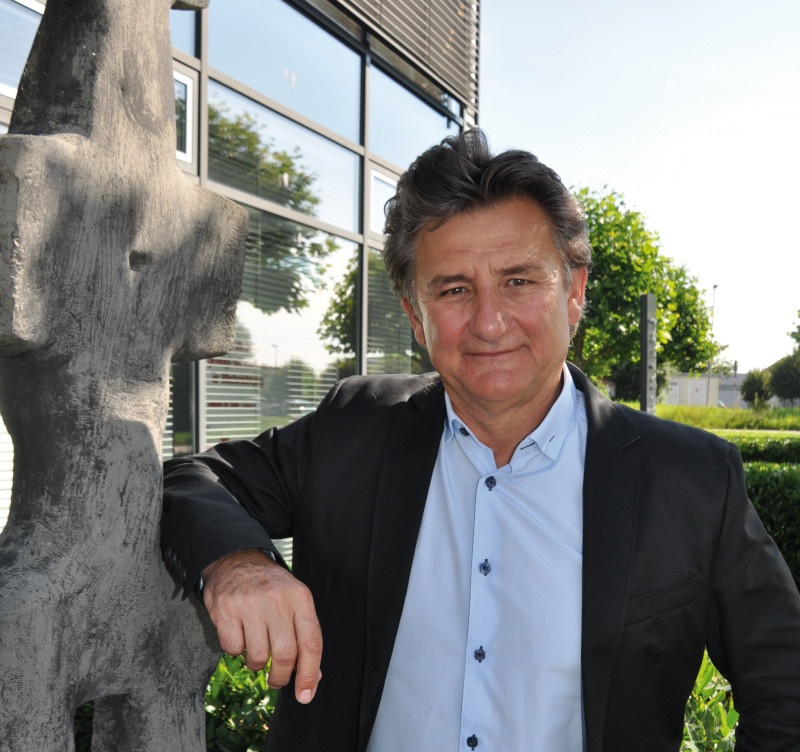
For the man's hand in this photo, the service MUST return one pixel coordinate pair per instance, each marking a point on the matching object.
(260, 609)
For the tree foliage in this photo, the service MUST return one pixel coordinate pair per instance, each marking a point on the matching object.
(795, 335)
(755, 388)
(628, 263)
(784, 377)
(285, 259)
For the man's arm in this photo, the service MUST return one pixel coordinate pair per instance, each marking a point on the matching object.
(220, 509)
(754, 633)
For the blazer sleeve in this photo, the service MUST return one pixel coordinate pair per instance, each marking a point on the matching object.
(754, 630)
(236, 496)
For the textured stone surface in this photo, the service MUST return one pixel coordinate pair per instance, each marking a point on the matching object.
(111, 263)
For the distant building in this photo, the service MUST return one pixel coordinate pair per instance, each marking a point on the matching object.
(688, 389)
(713, 390)
(305, 112)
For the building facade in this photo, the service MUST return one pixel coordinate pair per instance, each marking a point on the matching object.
(304, 112)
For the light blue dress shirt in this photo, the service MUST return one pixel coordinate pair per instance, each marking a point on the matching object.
(487, 654)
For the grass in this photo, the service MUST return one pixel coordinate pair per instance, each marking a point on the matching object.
(783, 419)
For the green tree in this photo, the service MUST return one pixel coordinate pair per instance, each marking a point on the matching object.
(628, 263)
(285, 256)
(795, 335)
(755, 388)
(784, 377)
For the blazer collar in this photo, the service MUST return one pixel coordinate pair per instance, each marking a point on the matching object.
(610, 515)
(406, 468)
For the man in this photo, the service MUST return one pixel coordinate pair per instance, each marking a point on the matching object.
(497, 557)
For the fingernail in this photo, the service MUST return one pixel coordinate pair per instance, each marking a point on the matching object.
(305, 696)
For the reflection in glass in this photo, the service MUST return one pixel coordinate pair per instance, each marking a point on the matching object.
(401, 125)
(178, 438)
(19, 25)
(183, 111)
(383, 188)
(278, 368)
(270, 47)
(256, 150)
(182, 30)
(391, 347)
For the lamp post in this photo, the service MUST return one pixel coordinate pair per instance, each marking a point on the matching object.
(713, 303)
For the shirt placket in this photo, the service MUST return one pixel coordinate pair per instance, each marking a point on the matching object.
(485, 568)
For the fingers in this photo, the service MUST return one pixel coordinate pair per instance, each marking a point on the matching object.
(261, 610)
(309, 640)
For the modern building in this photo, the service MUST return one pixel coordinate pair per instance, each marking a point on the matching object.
(305, 112)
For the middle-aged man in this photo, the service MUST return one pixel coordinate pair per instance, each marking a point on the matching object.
(497, 557)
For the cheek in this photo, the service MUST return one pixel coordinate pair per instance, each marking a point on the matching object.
(441, 332)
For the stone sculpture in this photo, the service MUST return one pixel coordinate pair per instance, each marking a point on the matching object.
(112, 263)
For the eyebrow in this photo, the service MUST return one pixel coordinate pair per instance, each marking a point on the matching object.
(507, 271)
(446, 279)
(518, 270)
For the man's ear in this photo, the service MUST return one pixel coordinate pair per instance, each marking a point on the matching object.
(416, 324)
(577, 295)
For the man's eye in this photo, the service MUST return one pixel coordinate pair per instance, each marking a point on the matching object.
(453, 291)
(517, 282)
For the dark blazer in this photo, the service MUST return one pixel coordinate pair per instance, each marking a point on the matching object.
(674, 560)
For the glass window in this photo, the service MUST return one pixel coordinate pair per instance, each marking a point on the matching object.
(6, 472)
(252, 148)
(179, 434)
(294, 329)
(184, 120)
(182, 27)
(273, 49)
(401, 125)
(19, 21)
(391, 347)
(383, 188)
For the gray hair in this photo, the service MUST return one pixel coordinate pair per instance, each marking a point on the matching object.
(460, 175)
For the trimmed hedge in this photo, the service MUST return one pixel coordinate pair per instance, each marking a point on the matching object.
(766, 449)
(774, 490)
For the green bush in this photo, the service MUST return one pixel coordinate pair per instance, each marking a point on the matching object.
(774, 490)
(710, 717)
(768, 449)
(238, 706)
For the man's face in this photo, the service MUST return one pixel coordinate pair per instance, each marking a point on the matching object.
(493, 309)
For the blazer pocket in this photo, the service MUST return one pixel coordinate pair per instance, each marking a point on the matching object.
(661, 601)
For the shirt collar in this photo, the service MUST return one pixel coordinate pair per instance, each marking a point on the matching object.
(549, 435)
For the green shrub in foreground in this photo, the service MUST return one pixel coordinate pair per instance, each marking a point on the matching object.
(710, 717)
(238, 707)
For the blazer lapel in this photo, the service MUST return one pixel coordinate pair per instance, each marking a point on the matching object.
(406, 469)
(610, 509)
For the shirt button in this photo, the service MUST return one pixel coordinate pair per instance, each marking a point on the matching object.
(490, 482)
(463, 431)
(480, 654)
(485, 567)
(472, 741)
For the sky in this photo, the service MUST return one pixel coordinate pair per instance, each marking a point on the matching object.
(691, 111)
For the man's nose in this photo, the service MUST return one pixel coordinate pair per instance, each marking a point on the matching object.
(489, 317)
